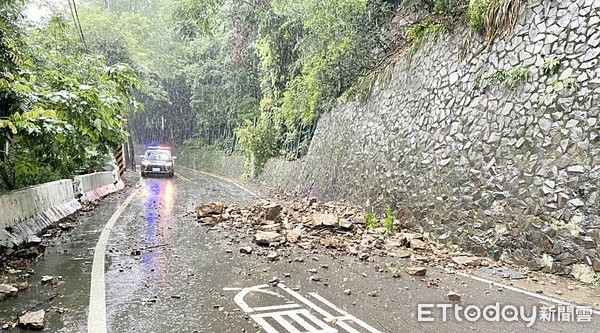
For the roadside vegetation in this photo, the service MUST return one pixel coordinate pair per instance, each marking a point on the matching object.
(249, 77)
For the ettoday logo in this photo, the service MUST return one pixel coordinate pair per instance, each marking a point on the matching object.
(503, 313)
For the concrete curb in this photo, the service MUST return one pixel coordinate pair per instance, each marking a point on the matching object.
(26, 212)
(93, 186)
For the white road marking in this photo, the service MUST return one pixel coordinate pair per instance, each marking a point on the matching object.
(289, 316)
(97, 312)
(223, 179)
(517, 290)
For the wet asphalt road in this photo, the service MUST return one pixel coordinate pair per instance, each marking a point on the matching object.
(167, 273)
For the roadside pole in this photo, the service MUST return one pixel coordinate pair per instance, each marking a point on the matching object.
(120, 161)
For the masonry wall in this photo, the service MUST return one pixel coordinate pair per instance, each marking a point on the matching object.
(505, 168)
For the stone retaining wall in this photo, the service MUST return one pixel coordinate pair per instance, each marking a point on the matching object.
(494, 149)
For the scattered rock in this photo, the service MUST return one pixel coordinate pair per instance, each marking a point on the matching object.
(467, 261)
(246, 249)
(374, 293)
(314, 278)
(416, 271)
(33, 320)
(267, 238)
(271, 211)
(33, 239)
(328, 220)
(208, 210)
(541, 304)
(453, 296)
(331, 242)
(272, 256)
(418, 244)
(346, 224)
(583, 273)
(7, 291)
(347, 291)
(363, 256)
(47, 278)
(292, 236)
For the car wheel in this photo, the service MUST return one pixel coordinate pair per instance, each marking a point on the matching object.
(171, 174)
(143, 175)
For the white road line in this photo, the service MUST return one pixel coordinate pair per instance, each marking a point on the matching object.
(518, 290)
(97, 312)
(221, 178)
(294, 316)
(277, 307)
(346, 314)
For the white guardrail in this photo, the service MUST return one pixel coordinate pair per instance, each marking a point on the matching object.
(26, 212)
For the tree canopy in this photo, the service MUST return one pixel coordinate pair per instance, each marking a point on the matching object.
(251, 76)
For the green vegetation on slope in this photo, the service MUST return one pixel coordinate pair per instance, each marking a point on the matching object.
(62, 107)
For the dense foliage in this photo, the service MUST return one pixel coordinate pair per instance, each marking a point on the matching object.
(249, 76)
(63, 108)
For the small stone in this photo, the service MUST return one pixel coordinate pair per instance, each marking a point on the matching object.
(453, 296)
(418, 244)
(576, 169)
(271, 211)
(347, 291)
(272, 256)
(416, 271)
(328, 220)
(206, 210)
(330, 242)
(576, 202)
(558, 292)
(47, 278)
(267, 238)
(314, 278)
(541, 304)
(246, 249)
(33, 320)
(363, 256)
(33, 239)
(374, 293)
(292, 236)
(346, 224)
(467, 261)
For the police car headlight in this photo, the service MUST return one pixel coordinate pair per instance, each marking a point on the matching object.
(169, 164)
(144, 163)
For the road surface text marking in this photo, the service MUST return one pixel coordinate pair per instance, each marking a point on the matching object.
(299, 316)
(97, 313)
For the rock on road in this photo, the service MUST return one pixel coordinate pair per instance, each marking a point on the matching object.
(166, 272)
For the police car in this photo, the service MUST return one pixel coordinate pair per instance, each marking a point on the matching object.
(158, 161)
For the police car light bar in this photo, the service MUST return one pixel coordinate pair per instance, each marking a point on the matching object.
(159, 147)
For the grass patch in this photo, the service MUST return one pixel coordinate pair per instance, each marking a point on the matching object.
(493, 17)
(514, 76)
(424, 33)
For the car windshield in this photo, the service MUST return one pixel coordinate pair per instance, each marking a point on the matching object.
(158, 155)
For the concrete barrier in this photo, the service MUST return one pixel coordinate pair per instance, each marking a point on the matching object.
(93, 186)
(26, 212)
